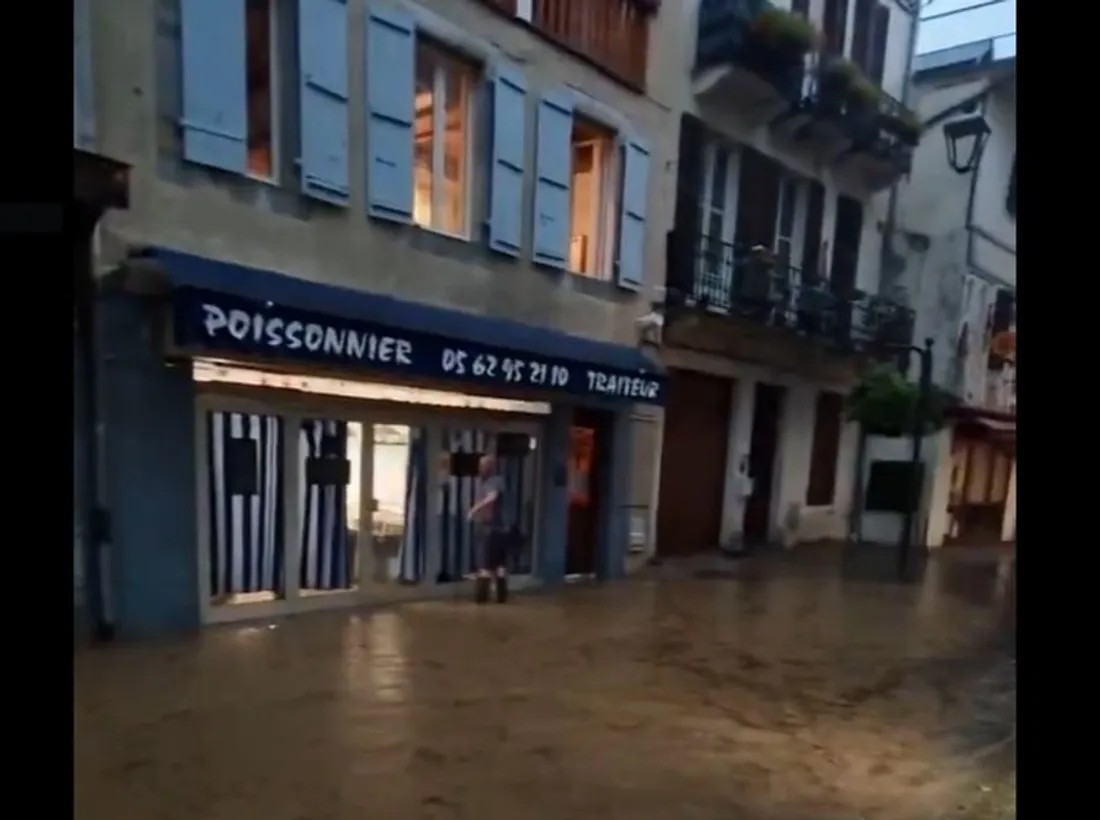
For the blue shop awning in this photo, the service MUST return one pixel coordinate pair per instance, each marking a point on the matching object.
(223, 306)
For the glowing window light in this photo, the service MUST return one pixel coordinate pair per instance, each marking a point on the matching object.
(214, 371)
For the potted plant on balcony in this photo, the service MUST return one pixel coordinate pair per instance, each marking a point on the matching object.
(837, 77)
(844, 88)
(904, 124)
(787, 34)
(754, 280)
(815, 306)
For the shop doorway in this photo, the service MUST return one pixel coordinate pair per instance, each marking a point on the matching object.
(588, 440)
(981, 471)
(693, 463)
(763, 449)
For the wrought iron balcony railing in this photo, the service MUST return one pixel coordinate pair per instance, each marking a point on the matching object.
(872, 119)
(757, 286)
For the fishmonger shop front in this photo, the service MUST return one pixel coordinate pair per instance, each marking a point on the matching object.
(300, 446)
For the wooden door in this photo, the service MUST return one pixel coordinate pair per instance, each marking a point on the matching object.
(587, 441)
(693, 463)
(766, 415)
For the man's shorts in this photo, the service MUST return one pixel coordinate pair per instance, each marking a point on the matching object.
(490, 548)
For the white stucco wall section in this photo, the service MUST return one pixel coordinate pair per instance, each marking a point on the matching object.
(790, 520)
(885, 528)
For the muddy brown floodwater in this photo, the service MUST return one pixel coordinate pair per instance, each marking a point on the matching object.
(785, 689)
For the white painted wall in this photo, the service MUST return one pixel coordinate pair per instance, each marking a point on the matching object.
(956, 256)
(995, 248)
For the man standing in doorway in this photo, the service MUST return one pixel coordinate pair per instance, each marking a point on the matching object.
(486, 516)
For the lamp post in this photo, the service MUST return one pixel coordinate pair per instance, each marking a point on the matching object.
(924, 394)
(916, 433)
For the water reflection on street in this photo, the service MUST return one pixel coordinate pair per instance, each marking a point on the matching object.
(797, 689)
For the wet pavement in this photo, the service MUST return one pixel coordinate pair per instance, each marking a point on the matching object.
(806, 688)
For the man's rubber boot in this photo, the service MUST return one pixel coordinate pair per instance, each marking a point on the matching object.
(481, 589)
(502, 588)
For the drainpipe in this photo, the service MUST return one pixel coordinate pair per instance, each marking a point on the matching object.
(95, 526)
(886, 252)
(99, 183)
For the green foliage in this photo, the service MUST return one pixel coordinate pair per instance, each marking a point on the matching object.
(885, 403)
(785, 30)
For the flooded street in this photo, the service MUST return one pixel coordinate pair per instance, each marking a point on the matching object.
(794, 688)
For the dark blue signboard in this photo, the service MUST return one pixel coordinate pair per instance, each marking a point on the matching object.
(217, 322)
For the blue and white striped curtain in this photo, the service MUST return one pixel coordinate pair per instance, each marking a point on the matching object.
(519, 505)
(459, 494)
(327, 557)
(246, 531)
(412, 556)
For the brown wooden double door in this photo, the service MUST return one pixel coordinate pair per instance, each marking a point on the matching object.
(693, 463)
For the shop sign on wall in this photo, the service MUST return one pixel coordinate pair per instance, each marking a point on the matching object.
(220, 322)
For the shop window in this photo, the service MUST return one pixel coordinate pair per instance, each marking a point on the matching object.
(261, 85)
(595, 198)
(444, 85)
(828, 420)
(244, 486)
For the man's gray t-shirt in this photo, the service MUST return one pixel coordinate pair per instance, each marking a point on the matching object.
(489, 519)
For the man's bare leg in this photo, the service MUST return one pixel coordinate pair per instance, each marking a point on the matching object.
(482, 583)
(501, 584)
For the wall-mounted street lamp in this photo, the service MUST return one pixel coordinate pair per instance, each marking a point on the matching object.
(966, 139)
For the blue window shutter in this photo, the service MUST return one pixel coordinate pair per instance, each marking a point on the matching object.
(506, 186)
(83, 94)
(554, 168)
(215, 98)
(391, 66)
(630, 273)
(323, 88)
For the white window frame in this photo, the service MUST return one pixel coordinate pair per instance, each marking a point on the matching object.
(728, 210)
(608, 172)
(791, 185)
(275, 85)
(439, 127)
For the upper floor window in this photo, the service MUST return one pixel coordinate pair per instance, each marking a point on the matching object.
(260, 87)
(594, 198)
(614, 34)
(236, 68)
(870, 28)
(444, 85)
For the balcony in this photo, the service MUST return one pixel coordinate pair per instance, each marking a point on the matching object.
(754, 289)
(847, 121)
(882, 143)
(612, 35)
(750, 56)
